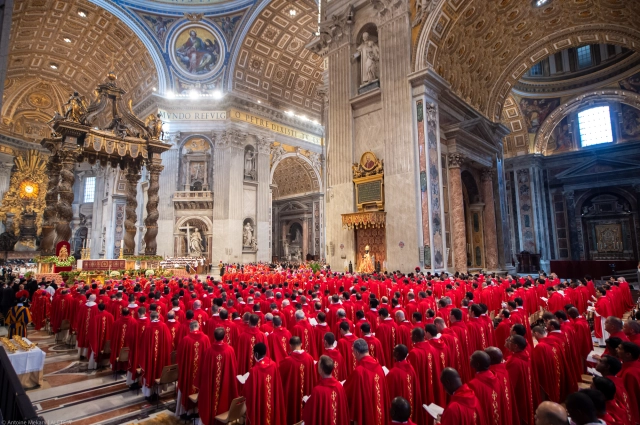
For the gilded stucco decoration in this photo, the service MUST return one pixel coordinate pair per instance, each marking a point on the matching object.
(27, 189)
(274, 66)
(293, 176)
(482, 48)
(54, 51)
(512, 118)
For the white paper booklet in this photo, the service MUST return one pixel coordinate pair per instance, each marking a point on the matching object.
(434, 410)
(243, 378)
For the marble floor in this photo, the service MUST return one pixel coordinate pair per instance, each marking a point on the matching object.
(71, 394)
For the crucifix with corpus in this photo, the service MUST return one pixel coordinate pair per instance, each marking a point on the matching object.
(188, 229)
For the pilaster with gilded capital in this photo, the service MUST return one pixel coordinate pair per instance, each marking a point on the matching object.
(456, 160)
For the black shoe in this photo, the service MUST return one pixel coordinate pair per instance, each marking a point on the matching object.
(184, 417)
(153, 397)
(134, 386)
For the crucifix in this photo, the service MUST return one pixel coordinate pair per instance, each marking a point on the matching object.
(187, 228)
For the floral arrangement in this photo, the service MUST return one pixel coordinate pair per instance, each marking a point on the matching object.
(114, 273)
(149, 272)
(55, 260)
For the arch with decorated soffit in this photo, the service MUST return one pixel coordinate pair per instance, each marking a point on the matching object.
(310, 170)
(204, 225)
(269, 61)
(575, 103)
(484, 67)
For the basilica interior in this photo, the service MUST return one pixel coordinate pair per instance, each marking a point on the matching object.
(450, 135)
(366, 136)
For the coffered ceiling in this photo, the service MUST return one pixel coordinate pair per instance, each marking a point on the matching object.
(60, 46)
(273, 65)
(483, 47)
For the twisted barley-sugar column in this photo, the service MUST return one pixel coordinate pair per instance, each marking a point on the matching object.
(151, 222)
(133, 176)
(49, 215)
(65, 196)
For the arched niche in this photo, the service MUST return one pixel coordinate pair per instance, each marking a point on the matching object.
(250, 172)
(370, 31)
(195, 169)
(183, 231)
(249, 235)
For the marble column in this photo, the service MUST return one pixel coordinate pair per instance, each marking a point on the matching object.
(68, 156)
(49, 214)
(151, 222)
(131, 215)
(263, 204)
(574, 241)
(490, 236)
(456, 203)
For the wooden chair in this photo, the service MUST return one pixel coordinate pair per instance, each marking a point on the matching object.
(123, 356)
(169, 375)
(237, 411)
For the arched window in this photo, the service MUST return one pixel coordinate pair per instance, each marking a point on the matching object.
(595, 126)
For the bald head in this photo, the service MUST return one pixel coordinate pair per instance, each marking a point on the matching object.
(480, 361)
(494, 354)
(550, 413)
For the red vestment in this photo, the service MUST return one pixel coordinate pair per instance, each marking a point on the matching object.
(83, 317)
(264, 394)
(387, 334)
(376, 350)
(424, 363)
(344, 347)
(462, 332)
(298, 376)
(478, 338)
(502, 332)
(190, 353)
(327, 404)
(40, 308)
(60, 310)
(367, 393)
(622, 396)
(244, 350)
(216, 382)
(500, 370)
(522, 381)
(173, 329)
(492, 396)
(339, 365)
(402, 381)
(125, 333)
(278, 344)
(100, 330)
(304, 330)
(463, 409)
(603, 310)
(155, 351)
(548, 366)
(583, 340)
(630, 375)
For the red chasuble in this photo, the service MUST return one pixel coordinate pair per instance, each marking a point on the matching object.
(367, 393)
(376, 350)
(522, 381)
(387, 333)
(217, 382)
(173, 329)
(500, 370)
(101, 328)
(462, 332)
(463, 409)
(125, 332)
(278, 344)
(339, 365)
(83, 317)
(584, 343)
(548, 366)
(630, 375)
(456, 354)
(190, 353)
(304, 330)
(422, 359)
(327, 404)
(40, 308)
(477, 335)
(263, 391)
(491, 394)
(344, 347)
(298, 376)
(60, 310)
(622, 396)
(244, 351)
(502, 332)
(155, 352)
(402, 381)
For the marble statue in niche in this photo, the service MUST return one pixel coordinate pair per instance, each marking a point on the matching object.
(195, 243)
(248, 241)
(369, 55)
(249, 164)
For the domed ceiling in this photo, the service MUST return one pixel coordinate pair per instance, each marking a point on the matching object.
(60, 46)
(483, 47)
